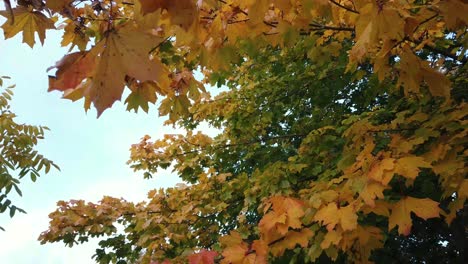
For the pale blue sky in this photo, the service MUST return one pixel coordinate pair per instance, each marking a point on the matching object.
(92, 153)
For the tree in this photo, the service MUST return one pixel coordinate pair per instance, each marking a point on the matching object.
(18, 156)
(343, 126)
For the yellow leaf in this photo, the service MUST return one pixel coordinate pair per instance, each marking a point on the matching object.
(331, 237)
(72, 35)
(182, 12)
(371, 191)
(380, 208)
(454, 13)
(124, 52)
(290, 241)
(331, 215)
(408, 167)
(413, 71)
(28, 22)
(235, 250)
(58, 5)
(328, 216)
(382, 171)
(374, 25)
(401, 213)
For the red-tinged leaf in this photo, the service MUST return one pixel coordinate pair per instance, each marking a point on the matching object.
(203, 257)
(235, 254)
(71, 70)
(261, 251)
(123, 52)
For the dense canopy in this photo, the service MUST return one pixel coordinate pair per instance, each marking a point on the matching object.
(342, 126)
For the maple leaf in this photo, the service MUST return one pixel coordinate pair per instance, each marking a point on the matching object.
(236, 248)
(261, 251)
(122, 53)
(70, 36)
(71, 70)
(408, 167)
(371, 191)
(376, 23)
(58, 5)
(331, 237)
(454, 12)
(413, 71)
(287, 213)
(382, 171)
(291, 240)
(331, 215)
(28, 22)
(203, 257)
(401, 212)
(142, 94)
(182, 12)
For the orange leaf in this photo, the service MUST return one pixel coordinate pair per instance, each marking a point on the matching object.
(71, 70)
(331, 215)
(236, 248)
(401, 213)
(382, 171)
(408, 167)
(182, 12)
(261, 251)
(203, 257)
(123, 52)
(371, 191)
(331, 237)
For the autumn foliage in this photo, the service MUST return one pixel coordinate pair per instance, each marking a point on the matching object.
(19, 158)
(341, 122)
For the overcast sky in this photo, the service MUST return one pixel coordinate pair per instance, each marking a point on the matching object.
(91, 153)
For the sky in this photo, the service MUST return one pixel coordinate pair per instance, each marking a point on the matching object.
(91, 153)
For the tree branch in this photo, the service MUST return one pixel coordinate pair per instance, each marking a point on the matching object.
(344, 7)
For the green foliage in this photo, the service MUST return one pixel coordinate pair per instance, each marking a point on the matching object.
(18, 157)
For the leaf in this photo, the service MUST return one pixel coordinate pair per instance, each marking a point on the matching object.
(331, 215)
(382, 171)
(71, 70)
(182, 12)
(408, 167)
(401, 212)
(291, 240)
(261, 251)
(371, 191)
(58, 5)
(73, 35)
(287, 213)
(413, 71)
(331, 237)
(123, 52)
(454, 13)
(234, 252)
(142, 94)
(203, 257)
(28, 22)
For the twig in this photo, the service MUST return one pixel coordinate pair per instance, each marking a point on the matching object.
(344, 7)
